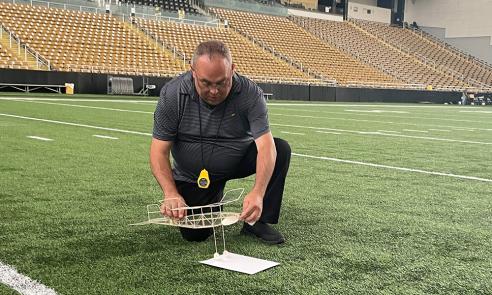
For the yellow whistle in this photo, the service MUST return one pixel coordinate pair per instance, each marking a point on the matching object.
(203, 179)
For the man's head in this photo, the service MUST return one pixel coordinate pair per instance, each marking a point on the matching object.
(212, 70)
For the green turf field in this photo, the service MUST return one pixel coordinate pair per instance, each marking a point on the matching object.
(380, 199)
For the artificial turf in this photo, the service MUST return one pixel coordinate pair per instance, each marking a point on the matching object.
(65, 204)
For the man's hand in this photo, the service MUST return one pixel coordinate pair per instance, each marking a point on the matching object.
(252, 207)
(172, 202)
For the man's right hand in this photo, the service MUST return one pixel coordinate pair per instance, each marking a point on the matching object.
(172, 202)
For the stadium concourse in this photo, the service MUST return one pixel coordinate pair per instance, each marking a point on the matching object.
(381, 198)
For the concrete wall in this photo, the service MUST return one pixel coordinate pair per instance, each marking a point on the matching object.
(318, 15)
(460, 18)
(366, 2)
(368, 12)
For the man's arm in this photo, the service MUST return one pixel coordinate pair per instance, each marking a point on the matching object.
(161, 168)
(265, 163)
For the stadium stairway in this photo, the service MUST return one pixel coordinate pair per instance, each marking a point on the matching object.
(151, 41)
(21, 60)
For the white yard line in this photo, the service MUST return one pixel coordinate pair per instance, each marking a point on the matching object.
(376, 121)
(376, 111)
(377, 115)
(388, 131)
(39, 138)
(89, 107)
(295, 154)
(75, 124)
(104, 136)
(440, 130)
(385, 134)
(21, 283)
(482, 112)
(413, 130)
(394, 167)
(328, 132)
(272, 114)
(295, 133)
(76, 99)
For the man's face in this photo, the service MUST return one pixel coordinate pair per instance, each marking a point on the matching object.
(212, 76)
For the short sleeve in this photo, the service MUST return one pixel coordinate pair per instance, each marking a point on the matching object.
(258, 115)
(166, 116)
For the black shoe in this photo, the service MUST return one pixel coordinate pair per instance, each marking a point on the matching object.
(264, 232)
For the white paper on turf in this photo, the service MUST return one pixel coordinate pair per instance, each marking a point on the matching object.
(240, 263)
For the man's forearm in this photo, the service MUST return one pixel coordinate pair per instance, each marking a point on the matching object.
(265, 163)
(161, 167)
(163, 174)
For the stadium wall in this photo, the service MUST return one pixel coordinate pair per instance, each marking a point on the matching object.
(368, 12)
(91, 83)
(466, 24)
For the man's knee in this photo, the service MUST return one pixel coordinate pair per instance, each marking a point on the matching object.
(283, 150)
(195, 235)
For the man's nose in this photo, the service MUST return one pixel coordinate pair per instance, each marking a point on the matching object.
(214, 90)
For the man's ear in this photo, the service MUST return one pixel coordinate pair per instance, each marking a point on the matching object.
(233, 68)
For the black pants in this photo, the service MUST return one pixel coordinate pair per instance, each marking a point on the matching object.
(195, 196)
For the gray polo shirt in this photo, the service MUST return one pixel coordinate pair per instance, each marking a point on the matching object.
(177, 119)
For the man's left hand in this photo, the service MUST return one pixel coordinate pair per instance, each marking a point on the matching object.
(252, 207)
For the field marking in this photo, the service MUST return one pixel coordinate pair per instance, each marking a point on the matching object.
(273, 124)
(385, 134)
(295, 133)
(394, 167)
(464, 129)
(75, 99)
(389, 131)
(76, 124)
(39, 138)
(104, 136)
(440, 130)
(380, 115)
(376, 121)
(376, 111)
(21, 283)
(413, 130)
(482, 112)
(89, 107)
(286, 115)
(295, 154)
(334, 104)
(328, 132)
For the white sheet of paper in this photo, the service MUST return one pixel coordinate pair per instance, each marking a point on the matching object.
(240, 263)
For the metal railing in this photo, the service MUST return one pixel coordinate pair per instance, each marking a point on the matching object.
(211, 23)
(24, 50)
(119, 70)
(116, 10)
(263, 45)
(295, 81)
(159, 42)
(424, 35)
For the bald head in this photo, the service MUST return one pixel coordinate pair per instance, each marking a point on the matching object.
(212, 70)
(212, 48)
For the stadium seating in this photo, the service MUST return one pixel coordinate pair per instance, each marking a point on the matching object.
(304, 47)
(427, 50)
(250, 59)
(368, 47)
(87, 42)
